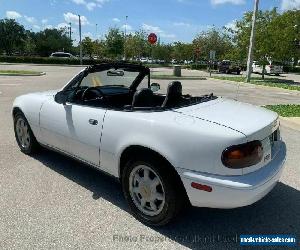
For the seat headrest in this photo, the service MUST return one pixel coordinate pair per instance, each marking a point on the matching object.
(174, 89)
(143, 98)
(174, 94)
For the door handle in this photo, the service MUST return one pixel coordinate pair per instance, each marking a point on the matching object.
(93, 122)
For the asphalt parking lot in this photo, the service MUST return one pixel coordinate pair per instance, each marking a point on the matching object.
(48, 201)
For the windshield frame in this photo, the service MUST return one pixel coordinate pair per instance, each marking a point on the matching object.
(143, 72)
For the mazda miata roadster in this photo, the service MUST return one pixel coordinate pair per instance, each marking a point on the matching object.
(167, 150)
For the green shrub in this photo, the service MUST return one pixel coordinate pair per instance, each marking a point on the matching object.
(45, 60)
(198, 66)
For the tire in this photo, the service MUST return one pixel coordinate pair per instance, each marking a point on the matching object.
(24, 136)
(168, 188)
(238, 72)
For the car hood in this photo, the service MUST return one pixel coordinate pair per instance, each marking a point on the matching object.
(245, 118)
(48, 92)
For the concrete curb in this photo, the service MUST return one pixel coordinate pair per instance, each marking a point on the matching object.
(178, 78)
(251, 84)
(16, 74)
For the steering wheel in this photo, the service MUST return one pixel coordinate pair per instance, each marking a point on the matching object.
(92, 89)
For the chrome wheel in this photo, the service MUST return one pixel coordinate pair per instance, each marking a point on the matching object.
(146, 190)
(23, 134)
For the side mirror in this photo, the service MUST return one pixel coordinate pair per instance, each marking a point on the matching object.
(154, 86)
(61, 97)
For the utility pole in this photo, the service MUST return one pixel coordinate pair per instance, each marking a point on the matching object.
(125, 37)
(80, 44)
(96, 31)
(252, 40)
(70, 31)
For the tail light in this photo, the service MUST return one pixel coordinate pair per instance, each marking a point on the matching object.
(243, 155)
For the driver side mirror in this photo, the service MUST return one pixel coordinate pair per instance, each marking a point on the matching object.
(154, 86)
(61, 97)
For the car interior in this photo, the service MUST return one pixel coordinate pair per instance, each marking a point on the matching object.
(120, 97)
(141, 99)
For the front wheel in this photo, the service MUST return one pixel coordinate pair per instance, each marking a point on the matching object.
(151, 192)
(24, 136)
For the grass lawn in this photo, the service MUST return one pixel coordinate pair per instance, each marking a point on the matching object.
(19, 72)
(289, 110)
(271, 82)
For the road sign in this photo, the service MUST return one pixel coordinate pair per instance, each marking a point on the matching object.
(152, 38)
(212, 54)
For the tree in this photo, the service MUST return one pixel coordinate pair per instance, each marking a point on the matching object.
(88, 46)
(12, 35)
(99, 48)
(29, 44)
(182, 51)
(51, 40)
(114, 43)
(286, 30)
(213, 39)
(275, 36)
(163, 52)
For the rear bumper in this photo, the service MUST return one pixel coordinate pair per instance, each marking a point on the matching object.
(234, 191)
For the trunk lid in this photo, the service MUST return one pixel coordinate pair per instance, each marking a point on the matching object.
(254, 122)
(243, 117)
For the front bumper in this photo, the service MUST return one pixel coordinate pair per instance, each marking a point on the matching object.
(234, 191)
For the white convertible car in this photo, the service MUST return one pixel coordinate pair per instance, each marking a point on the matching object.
(167, 150)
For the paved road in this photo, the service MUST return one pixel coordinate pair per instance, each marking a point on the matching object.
(50, 201)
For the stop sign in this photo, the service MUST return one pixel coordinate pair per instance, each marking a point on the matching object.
(152, 38)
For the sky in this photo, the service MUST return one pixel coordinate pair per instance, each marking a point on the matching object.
(171, 20)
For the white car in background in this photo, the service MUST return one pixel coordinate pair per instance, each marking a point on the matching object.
(166, 150)
(62, 55)
(271, 68)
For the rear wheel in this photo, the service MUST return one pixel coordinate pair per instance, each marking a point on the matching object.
(24, 136)
(151, 191)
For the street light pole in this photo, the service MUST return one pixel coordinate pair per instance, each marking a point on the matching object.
(125, 37)
(70, 31)
(80, 44)
(252, 40)
(96, 31)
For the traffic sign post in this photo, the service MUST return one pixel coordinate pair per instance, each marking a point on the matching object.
(152, 39)
(196, 55)
(212, 56)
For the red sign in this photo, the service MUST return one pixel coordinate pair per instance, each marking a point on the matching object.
(152, 38)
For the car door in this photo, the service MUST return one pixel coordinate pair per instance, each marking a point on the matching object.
(72, 128)
(84, 132)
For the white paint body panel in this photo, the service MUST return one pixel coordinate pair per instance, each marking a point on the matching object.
(192, 139)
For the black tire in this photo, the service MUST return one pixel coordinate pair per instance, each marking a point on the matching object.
(238, 72)
(175, 196)
(33, 145)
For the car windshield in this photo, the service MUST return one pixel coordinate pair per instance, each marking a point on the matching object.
(110, 77)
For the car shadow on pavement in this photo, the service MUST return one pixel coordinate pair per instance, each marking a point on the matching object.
(196, 228)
